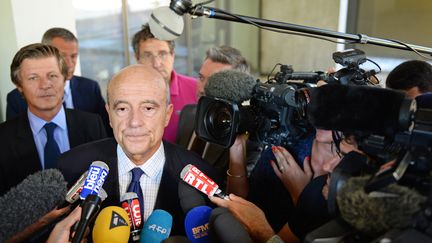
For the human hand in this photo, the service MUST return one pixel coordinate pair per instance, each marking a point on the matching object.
(249, 215)
(39, 224)
(238, 150)
(61, 231)
(290, 173)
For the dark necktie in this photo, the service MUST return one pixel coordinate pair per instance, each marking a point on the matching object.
(135, 186)
(51, 150)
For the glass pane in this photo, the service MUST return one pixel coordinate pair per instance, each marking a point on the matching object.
(100, 34)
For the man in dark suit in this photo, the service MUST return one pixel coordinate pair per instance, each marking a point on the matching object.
(33, 141)
(139, 109)
(80, 93)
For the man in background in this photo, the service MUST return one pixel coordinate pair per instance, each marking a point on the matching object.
(160, 55)
(80, 93)
(34, 140)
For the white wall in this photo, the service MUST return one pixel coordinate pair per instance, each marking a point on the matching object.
(23, 22)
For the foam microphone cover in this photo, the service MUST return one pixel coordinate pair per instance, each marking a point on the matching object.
(35, 196)
(351, 108)
(157, 227)
(379, 211)
(111, 226)
(224, 227)
(189, 197)
(232, 85)
(165, 24)
(197, 224)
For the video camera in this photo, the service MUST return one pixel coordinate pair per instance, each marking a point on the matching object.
(276, 113)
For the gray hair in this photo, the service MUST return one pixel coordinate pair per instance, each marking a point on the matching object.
(58, 32)
(228, 55)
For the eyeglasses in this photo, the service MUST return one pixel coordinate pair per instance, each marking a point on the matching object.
(149, 57)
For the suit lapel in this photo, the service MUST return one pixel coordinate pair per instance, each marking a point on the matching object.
(26, 147)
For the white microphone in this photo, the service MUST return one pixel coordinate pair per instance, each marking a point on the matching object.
(165, 24)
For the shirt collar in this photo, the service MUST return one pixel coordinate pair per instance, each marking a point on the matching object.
(152, 167)
(36, 123)
(174, 86)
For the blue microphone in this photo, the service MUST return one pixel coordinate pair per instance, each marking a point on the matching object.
(157, 227)
(197, 224)
(96, 176)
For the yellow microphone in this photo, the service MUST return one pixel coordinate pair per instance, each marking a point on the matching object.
(111, 226)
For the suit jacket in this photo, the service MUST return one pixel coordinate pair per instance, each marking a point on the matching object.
(19, 157)
(74, 162)
(86, 96)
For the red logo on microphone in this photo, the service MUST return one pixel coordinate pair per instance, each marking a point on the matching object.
(200, 181)
(132, 207)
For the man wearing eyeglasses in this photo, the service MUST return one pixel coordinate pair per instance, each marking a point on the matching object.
(160, 55)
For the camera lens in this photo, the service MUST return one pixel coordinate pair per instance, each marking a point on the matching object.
(219, 120)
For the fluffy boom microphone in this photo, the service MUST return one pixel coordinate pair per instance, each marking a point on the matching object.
(35, 196)
(232, 85)
(379, 211)
(359, 108)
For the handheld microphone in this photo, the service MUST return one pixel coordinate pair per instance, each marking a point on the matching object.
(189, 197)
(352, 108)
(97, 174)
(73, 194)
(157, 227)
(224, 227)
(130, 203)
(31, 199)
(111, 226)
(197, 224)
(378, 211)
(90, 193)
(231, 84)
(197, 179)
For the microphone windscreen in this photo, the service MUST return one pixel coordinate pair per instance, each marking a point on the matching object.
(189, 197)
(111, 226)
(197, 224)
(224, 227)
(350, 108)
(35, 196)
(379, 211)
(230, 84)
(165, 24)
(157, 227)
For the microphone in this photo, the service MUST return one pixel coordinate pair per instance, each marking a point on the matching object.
(112, 226)
(224, 227)
(97, 174)
(197, 179)
(73, 193)
(232, 85)
(197, 224)
(130, 203)
(31, 199)
(91, 194)
(378, 211)
(351, 108)
(165, 24)
(157, 227)
(189, 197)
